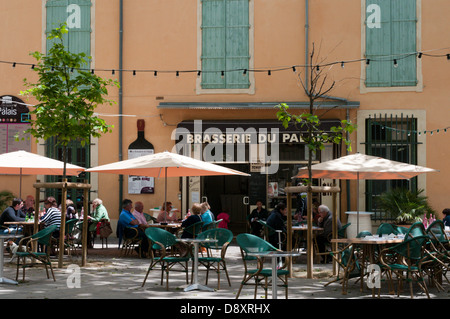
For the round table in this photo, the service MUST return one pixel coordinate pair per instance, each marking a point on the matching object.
(195, 285)
(274, 255)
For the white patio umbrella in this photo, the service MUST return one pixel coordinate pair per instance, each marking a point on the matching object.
(360, 166)
(165, 164)
(26, 163)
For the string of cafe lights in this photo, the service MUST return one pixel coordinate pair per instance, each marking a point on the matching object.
(409, 132)
(394, 59)
(393, 129)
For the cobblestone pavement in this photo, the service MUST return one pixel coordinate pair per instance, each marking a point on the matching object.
(109, 277)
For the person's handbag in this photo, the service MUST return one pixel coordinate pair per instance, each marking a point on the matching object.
(105, 229)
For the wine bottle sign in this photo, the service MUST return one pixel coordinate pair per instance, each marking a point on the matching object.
(140, 147)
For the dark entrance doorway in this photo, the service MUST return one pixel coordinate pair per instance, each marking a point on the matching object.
(229, 194)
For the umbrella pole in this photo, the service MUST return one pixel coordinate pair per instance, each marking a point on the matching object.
(20, 184)
(165, 194)
(357, 203)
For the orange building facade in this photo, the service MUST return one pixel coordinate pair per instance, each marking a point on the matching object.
(204, 73)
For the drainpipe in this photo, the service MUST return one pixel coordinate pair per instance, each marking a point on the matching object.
(306, 42)
(120, 98)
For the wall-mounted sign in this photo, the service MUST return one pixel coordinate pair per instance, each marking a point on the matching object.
(140, 147)
(14, 120)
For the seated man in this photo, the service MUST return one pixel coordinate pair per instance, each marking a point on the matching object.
(276, 221)
(127, 221)
(12, 214)
(325, 221)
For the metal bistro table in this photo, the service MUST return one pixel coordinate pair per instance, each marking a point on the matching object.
(369, 245)
(4, 280)
(195, 242)
(274, 255)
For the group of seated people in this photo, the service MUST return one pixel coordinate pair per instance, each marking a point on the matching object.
(49, 215)
(131, 220)
(277, 220)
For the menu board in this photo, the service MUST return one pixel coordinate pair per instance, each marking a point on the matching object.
(140, 184)
(8, 142)
(13, 121)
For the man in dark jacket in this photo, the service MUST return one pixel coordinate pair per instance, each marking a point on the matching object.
(259, 213)
(326, 222)
(276, 221)
(12, 214)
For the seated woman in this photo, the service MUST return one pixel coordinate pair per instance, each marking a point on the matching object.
(192, 219)
(164, 214)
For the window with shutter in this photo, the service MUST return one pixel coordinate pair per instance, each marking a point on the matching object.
(225, 44)
(391, 34)
(77, 15)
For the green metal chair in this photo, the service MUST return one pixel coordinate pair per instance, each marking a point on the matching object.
(270, 231)
(400, 230)
(251, 244)
(194, 229)
(407, 261)
(166, 244)
(439, 247)
(131, 242)
(43, 238)
(69, 241)
(215, 251)
(348, 266)
(342, 232)
(416, 229)
(363, 233)
(386, 228)
(148, 218)
(212, 225)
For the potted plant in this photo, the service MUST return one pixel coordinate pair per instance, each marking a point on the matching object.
(405, 206)
(6, 198)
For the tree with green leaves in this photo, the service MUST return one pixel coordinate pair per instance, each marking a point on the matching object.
(314, 137)
(309, 122)
(67, 95)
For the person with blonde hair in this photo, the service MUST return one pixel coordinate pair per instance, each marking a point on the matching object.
(207, 216)
(192, 219)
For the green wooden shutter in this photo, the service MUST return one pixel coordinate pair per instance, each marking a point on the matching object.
(404, 41)
(237, 45)
(56, 14)
(213, 43)
(395, 38)
(225, 47)
(78, 39)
